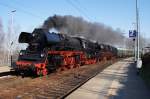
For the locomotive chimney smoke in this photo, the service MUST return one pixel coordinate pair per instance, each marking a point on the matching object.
(56, 22)
(79, 27)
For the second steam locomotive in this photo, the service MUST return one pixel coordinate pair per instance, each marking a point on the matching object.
(47, 52)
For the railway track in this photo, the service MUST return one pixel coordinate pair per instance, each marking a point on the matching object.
(53, 86)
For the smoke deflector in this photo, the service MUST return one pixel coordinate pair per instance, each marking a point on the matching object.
(25, 37)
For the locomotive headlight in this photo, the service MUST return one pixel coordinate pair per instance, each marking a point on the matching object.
(20, 53)
(42, 55)
(33, 34)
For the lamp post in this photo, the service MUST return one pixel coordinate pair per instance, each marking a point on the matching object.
(12, 31)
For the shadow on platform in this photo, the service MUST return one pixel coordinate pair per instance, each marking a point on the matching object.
(131, 85)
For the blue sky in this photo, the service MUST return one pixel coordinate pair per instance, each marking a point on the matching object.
(115, 13)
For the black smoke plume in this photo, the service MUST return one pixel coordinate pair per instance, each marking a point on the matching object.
(79, 27)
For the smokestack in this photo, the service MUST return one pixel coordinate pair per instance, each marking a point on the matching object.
(56, 22)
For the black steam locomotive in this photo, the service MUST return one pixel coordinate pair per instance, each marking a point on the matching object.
(50, 51)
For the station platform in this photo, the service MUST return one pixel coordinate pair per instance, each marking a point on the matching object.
(4, 69)
(118, 81)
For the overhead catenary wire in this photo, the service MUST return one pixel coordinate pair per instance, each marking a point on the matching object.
(83, 7)
(21, 10)
(21, 4)
(78, 9)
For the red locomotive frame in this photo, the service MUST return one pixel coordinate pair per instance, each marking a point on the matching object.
(68, 62)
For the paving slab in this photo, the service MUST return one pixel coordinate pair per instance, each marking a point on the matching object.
(4, 69)
(118, 81)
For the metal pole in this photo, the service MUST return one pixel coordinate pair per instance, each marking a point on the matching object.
(124, 42)
(139, 62)
(137, 29)
(135, 54)
(11, 37)
(11, 43)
